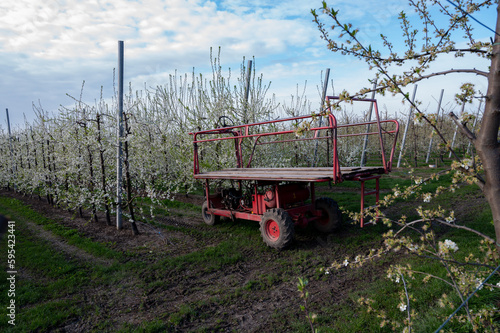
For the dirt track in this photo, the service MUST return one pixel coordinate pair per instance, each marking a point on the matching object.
(256, 292)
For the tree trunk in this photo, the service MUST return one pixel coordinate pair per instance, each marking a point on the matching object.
(103, 168)
(128, 182)
(487, 144)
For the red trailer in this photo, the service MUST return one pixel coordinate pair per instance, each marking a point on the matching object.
(281, 198)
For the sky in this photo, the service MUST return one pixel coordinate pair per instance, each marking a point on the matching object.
(48, 48)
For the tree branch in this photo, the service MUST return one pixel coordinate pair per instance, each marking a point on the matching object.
(373, 58)
(342, 48)
(456, 262)
(464, 70)
(489, 239)
(462, 127)
(423, 77)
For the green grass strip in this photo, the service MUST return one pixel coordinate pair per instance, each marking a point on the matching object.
(18, 211)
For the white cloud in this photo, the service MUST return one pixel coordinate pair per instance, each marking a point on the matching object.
(49, 47)
(73, 37)
(62, 30)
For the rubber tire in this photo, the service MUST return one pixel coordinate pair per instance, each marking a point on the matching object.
(209, 219)
(331, 216)
(282, 227)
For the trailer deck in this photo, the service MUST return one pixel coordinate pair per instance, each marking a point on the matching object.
(321, 174)
(282, 198)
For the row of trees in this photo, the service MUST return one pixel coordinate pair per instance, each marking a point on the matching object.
(70, 157)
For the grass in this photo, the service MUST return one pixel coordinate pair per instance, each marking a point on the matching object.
(48, 289)
(164, 208)
(49, 296)
(229, 267)
(22, 213)
(210, 258)
(431, 315)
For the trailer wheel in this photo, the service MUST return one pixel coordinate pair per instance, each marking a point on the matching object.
(277, 228)
(330, 218)
(208, 218)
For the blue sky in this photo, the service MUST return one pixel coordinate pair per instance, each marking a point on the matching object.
(49, 47)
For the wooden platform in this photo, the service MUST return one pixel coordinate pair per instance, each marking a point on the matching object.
(289, 174)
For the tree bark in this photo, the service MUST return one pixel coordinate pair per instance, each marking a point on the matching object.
(103, 168)
(128, 181)
(487, 144)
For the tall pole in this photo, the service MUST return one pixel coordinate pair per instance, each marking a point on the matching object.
(119, 223)
(456, 130)
(247, 91)
(475, 122)
(365, 143)
(323, 97)
(11, 150)
(432, 134)
(407, 126)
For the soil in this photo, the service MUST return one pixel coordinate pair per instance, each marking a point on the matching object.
(256, 294)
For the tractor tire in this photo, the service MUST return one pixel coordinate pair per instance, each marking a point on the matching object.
(277, 228)
(208, 218)
(331, 217)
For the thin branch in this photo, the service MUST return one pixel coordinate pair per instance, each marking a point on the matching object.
(472, 71)
(394, 84)
(457, 289)
(462, 127)
(489, 239)
(423, 77)
(407, 304)
(455, 262)
(402, 60)
(435, 277)
(453, 225)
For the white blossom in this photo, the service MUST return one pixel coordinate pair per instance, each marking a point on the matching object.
(448, 245)
(451, 245)
(467, 164)
(412, 247)
(346, 263)
(479, 284)
(450, 218)
(402, 307)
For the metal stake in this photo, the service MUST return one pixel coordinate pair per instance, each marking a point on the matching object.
(475, 122)
(432, 134)
(247, 92)
(119, 224)
(455, 134)
(407, 126)
(365, 143)
(11, 150)
(323, 97)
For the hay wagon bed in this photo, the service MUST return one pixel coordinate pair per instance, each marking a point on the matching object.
(282, 198)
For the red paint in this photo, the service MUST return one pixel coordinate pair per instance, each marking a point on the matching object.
(272, 230)
(270, 192)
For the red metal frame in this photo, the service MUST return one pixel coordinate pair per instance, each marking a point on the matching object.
(241, 132)
(301, 212)
(364, 193)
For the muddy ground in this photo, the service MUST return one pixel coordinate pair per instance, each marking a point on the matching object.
(254, 292)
